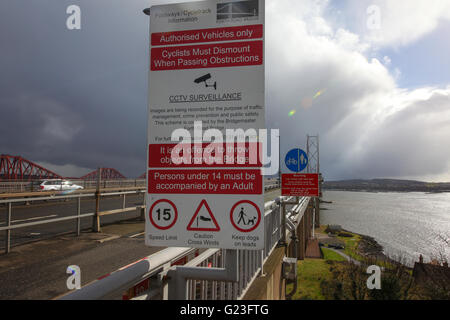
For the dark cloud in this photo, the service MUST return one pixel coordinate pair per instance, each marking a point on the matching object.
(78, 99)
(75, 97)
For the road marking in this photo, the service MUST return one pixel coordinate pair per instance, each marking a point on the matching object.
(137, 234)
(113, 237)
(29, 219)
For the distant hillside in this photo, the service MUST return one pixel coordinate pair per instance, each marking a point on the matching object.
(386, 185)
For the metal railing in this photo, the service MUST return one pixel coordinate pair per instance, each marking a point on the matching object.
(9, 201)
(155, 267)
(30, 186)
(10, 226)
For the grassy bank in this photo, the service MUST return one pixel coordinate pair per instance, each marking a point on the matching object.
(331, 255)
(334, 278)
(357, 246)
(311, 273)
(351, 242)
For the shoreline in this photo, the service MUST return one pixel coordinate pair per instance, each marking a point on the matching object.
(369, 248)
(389, 248)
(365, 247)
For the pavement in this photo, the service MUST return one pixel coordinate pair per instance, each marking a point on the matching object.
(313, 249)
(349, 259)
(325, 239)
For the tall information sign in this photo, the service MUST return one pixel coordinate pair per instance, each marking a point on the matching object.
(206, 64)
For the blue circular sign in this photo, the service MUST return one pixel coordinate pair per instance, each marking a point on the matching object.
(296, 160)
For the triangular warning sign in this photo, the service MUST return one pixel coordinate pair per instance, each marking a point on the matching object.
(203, 219)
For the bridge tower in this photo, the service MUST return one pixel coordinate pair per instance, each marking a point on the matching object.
(312, 150)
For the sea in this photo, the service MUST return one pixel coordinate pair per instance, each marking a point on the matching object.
(406, 224)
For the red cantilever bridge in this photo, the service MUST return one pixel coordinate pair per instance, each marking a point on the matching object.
(18, 168)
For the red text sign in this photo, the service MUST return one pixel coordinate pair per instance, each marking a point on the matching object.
(190, 155)
(242, 181)
(217, 55)
(207, 35)
(300, 184)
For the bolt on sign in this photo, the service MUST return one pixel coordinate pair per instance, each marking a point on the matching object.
(206, 76)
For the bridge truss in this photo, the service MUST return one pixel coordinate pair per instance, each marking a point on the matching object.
(106, 174)
(18, 168)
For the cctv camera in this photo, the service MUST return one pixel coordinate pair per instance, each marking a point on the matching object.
(203, 78)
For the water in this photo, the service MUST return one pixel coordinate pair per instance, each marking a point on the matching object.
(405, 224)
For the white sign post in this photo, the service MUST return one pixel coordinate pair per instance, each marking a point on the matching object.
(206, 64)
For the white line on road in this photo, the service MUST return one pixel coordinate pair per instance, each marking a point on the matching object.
(136, 235)
(29, 219)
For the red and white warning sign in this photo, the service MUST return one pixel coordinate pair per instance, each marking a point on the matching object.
(245, 216)
(300, 184)
(206, 71)
(203, 219)
(163, 214)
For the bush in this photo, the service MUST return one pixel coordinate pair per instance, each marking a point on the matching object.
(331, 289)
(390, 289)
(345, 234)
(349, 282)
(333, 229)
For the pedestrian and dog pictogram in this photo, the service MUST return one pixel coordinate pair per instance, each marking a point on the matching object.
(245, 216)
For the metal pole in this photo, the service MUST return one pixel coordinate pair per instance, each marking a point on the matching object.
(283, 223)
(279, 160)
(78, 213)
(314, 220)
(301, 235)
(307, 152)
(214, 283)
(8, 232)
(143, 209)
(262, 263)
(318, 155)
(123, 201)
(295, 254)
(96, 222)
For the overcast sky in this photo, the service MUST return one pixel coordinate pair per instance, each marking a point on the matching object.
(73, 100)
